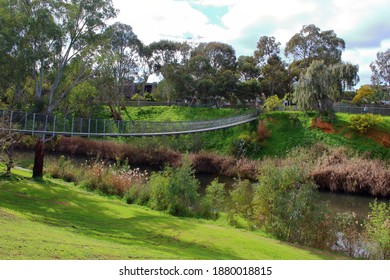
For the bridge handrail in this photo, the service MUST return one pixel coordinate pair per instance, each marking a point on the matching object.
(35, 123)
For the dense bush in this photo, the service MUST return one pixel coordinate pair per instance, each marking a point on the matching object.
(174, 190)
(213, 202)
(245, 145)
(377, 228)
(241, 197)
(262, 131)
(272, 103)
(285, 203)
(362, 123)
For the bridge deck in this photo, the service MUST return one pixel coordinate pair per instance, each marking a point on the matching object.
(39, 124)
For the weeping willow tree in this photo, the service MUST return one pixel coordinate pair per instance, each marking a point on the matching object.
(321, 85)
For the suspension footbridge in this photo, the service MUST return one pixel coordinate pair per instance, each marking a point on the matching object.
(52, 125)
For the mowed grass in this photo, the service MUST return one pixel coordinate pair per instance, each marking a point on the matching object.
(56, 220)
(177, 113)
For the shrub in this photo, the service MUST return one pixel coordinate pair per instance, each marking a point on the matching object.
(137, 97)
(377, 229)
(362, 123)
(348, 231)
(262, 131)
(241, 197)
(285, 203)
(138, 193)
(214, 200)
(174, 190)
(245, 145)
(65, 169)
(272, 103)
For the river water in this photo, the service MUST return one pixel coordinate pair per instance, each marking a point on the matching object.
(337, 202)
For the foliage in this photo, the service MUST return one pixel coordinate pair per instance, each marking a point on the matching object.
(378, 231)
(313, 44)
(348, 232)
(262, 131)
(241, 198)
(363, 123)
(319, 86)
(272, 103)
(380, 69)
(8, 138)
(285, 204)
(108, 179)
(137, 97)
(365, 94)
(174, 190)
(117, 65)
(245, 145)
(213, 202)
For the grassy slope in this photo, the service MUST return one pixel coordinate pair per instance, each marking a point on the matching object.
(176, 113)
(54, 220)
(286, 133)
(289, 132)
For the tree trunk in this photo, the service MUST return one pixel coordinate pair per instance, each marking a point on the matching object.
(39, 157)
(10, 162)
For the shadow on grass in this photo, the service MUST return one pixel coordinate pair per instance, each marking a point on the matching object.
(87, 214)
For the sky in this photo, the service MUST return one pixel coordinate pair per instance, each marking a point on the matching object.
(363, 25)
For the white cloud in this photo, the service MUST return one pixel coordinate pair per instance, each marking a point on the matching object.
(364, 25)
(166, 19)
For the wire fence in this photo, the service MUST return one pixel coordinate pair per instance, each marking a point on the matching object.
(341, 108)
(40, 124)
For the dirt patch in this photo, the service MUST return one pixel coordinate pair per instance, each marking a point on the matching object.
(5, 215)
(324, 126)
(380, 137)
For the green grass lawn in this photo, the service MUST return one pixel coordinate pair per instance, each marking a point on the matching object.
(176, 113)
(293, 129)
(56, 220)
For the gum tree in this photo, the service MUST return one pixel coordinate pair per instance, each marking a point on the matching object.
(58, 40)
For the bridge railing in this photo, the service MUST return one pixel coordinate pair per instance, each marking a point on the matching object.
(346, 108)
(39, 124)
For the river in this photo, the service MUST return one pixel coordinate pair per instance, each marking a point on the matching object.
(338, 202)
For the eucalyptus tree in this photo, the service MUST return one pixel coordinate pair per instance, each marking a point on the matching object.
(320, 85)
(266, 48)
(247, 68)
(221, 56)
(117, 65)
(166, 57)
(381, 69)
(58, 41)
(214, 66)
(313, 44)
(274, 77)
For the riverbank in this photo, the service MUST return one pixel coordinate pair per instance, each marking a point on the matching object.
(51, 219)
(333, 169)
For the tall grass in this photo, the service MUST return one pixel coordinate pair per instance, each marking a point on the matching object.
(338, 173)
(202, 162)
(110, 179)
